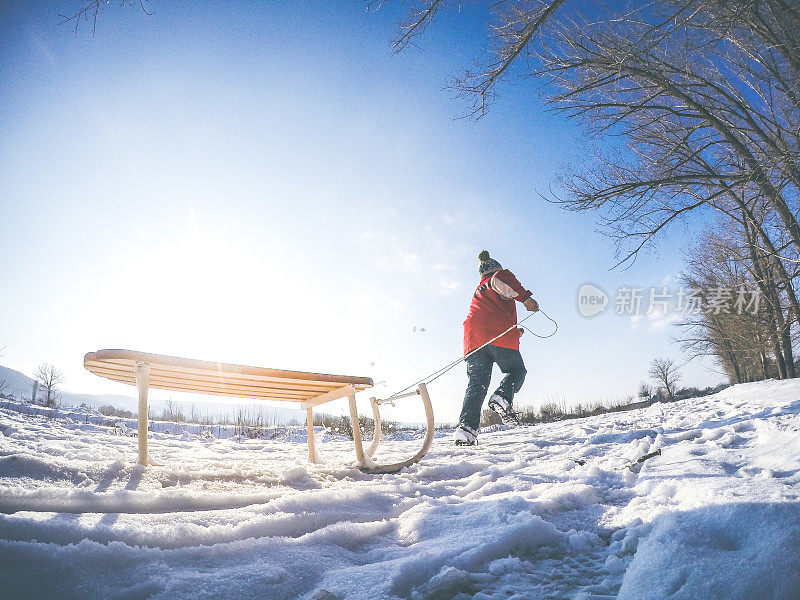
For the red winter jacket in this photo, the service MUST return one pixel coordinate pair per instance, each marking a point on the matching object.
(493, 311)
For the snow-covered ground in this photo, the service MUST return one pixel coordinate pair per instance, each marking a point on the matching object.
(551, 511)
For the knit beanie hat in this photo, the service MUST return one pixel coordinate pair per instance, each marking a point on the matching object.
(487, 264)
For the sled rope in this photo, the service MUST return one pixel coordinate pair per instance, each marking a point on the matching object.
(546, 316)
(436, 374)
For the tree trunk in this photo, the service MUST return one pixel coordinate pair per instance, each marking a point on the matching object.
(764, 364)
(733, 362)
(788, 353)
(776, 260)
(776, 349)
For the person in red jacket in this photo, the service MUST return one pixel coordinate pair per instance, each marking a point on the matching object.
(493, 311)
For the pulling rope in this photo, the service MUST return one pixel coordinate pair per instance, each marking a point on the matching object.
(436, 374)
(546, 316)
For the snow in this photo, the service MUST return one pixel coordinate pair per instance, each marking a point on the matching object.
(552, 511)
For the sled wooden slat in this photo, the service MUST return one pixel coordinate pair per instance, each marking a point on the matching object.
(232, 377)
(146, 370)
(217, 389)
(214, 386)
(226, 378)
(204, 389)
(127, 359)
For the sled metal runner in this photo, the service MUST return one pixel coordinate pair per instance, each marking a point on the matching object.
(307, 389)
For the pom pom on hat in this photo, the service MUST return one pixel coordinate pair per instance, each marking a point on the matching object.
(487, 264)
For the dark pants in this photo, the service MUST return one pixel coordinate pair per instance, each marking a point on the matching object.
(479, 371)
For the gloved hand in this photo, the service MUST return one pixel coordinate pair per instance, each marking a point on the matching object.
(531, 305)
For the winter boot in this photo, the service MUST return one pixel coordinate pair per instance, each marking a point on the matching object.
(503, 408)
(465, 436)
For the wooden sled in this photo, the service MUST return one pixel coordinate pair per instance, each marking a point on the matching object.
(308, 389)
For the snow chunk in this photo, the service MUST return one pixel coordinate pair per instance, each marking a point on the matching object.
(731, 552)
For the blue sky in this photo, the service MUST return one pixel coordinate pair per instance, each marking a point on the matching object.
(268, 184)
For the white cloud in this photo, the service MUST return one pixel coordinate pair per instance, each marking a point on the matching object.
(448, 285)
(429, 266)
(662, 322)
(410, 262)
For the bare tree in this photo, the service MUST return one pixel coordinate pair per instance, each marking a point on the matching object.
(705, 92)
(750, 332)
(173, 412)
(88, 11)
(49, 377)
(664, 371)
(705, 96)
(3, 382)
